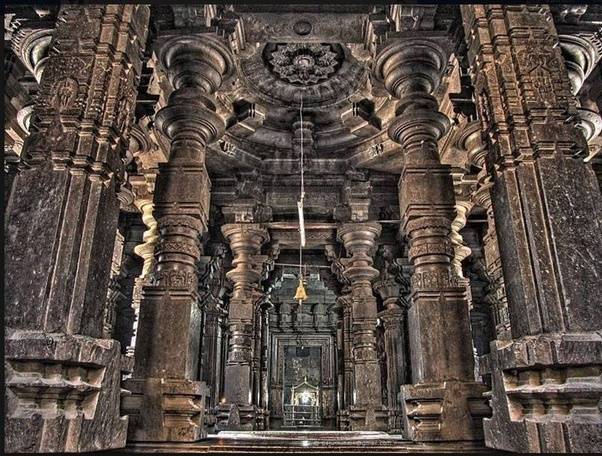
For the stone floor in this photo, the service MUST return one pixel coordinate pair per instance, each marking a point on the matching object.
(306, 442)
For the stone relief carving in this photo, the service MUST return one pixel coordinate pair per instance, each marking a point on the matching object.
(304, 63)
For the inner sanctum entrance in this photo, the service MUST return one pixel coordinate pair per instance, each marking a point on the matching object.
(303, 355)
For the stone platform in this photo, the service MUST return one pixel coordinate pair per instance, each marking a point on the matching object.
(306, 442)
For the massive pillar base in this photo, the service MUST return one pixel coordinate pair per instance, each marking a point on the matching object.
(446, 411)
(165, 410)
(367, 418)
(235, 417)
(546, 394)
(62, 393)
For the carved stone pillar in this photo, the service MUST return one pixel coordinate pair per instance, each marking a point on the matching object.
(471, 141)
(113, 292)
(366, 411)
(62, 377)
(444, 402)
(168, 400)
(393, 318)
(146, 250)
(211, 289)
(345, 302)
(548, 213)
(238, 411)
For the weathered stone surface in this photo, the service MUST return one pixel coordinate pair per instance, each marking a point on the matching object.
(545, 380)
(63, 378)
(63, 393)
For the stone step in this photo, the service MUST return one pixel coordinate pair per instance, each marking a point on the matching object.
(306, 442)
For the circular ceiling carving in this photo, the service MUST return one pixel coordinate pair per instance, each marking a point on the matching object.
(304, 63)
(320, 74)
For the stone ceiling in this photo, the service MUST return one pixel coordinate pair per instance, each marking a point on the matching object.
(310, 54)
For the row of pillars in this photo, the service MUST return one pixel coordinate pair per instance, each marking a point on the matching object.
(62, 213)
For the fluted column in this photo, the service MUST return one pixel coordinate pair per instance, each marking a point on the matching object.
(366, 410)
(443, 401)
(238, 411)
(62, 376)
(547, 206)
(167, 401)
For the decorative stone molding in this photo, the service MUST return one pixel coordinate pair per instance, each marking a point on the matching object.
(83, 369)
(349, 79)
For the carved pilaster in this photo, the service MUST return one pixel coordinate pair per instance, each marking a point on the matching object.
(366, 410)
(57, 260)
(170, 315)
(238, 411)
(548, 214)
(410, 68)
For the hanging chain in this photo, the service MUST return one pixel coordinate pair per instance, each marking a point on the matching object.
(302, 192)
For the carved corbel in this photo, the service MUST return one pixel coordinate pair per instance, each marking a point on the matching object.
(247, 117)
(361, 119)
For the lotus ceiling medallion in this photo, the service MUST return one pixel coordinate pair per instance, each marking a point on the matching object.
(304, 63)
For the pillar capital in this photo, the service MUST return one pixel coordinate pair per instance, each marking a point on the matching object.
(246, 240)
(410, 65)
(470, 139)
(359, 240)
(33, 47)
(202, 61)
(196, 66)
(411, 70)
(580, 57)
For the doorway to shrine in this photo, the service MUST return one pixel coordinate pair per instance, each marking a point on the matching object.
(303, 355)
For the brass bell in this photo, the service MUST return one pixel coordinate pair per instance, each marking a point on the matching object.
(300, 294)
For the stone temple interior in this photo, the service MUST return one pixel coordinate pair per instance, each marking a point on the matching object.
(369, 225)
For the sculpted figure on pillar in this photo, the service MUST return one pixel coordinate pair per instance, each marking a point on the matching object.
(548, 215)
(57, 260)
(410, 68)
(170, 314)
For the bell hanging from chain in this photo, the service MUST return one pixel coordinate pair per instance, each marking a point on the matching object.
(300, 294)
